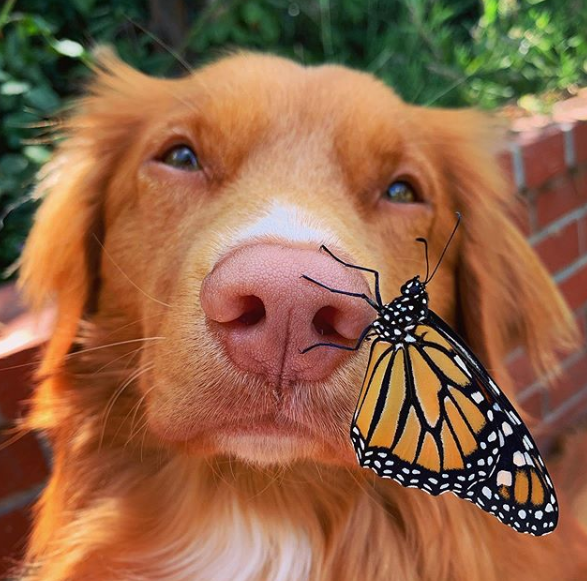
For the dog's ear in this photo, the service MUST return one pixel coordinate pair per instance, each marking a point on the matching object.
(506, 295)
(60, 262)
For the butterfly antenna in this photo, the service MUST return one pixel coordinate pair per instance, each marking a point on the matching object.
(425, 242)
(428, 279)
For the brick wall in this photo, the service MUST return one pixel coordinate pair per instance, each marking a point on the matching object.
(24, 461)
(549, 169)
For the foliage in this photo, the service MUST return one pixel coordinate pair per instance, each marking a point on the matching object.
(446, 52)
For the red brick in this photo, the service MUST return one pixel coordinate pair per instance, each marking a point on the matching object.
(16, 380)
(521, 212)
(581, 320)
(580, 180)
(561, 248)
(556, 423)
(534, 403)
(580, 138)
(582, 323)
(521, 372)
(14, 528)
(566, 194)
(11, 303)
(22, 464)
(582, 227)
(507, 165)
(544, 157)
(574, 288)
(572, 381)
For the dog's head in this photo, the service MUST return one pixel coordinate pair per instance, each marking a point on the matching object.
(181, 214)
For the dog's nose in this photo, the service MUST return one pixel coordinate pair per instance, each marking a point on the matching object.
(265, 313)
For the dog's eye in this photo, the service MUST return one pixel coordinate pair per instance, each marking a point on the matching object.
(401, 192)
(181, 157)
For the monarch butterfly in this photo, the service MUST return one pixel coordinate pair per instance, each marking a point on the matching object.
(429, 415)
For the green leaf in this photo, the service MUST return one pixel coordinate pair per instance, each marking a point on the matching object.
(43, 98)
(253, 13)
(12, 163)
(5, 12)
(33, 24)
(38, 154)
(68, 48)
(14, 88)
(84, 6)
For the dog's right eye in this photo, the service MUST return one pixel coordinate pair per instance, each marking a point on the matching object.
(181, 157)
(401, 192)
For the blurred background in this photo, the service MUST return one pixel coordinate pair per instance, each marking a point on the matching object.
(489, 53)
(523, 59)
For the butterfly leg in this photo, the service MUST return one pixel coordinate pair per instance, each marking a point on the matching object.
(357, 346)
(348, 265)
(346, 293)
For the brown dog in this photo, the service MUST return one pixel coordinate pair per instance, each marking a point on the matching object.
(192, 439)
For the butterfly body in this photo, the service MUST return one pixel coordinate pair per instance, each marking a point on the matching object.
(430, 416)
(399, 318)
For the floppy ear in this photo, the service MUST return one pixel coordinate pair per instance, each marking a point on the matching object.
(60, 262)
(506, 295)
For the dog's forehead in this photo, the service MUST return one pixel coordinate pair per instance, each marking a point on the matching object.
(272, 83)
(248, 101)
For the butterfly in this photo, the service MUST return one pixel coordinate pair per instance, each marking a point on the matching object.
(430, 416)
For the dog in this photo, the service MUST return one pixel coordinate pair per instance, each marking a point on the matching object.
(192, 440)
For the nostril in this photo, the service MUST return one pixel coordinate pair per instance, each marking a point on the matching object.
(324, 323)
(253, 311)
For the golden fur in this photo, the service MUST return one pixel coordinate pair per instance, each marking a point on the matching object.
(142, 489)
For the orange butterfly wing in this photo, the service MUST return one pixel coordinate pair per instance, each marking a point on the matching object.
(430, 417)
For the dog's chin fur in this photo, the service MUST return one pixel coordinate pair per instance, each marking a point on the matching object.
(133, 370)
(264, 450)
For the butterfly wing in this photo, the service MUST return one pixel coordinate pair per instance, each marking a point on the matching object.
(429, 416)
(519, 491)
(420, 420)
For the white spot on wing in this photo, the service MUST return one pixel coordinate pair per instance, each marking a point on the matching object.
(504, 478)
(461, 364)
(477, 397)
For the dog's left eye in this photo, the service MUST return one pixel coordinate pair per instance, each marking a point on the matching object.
(401, 192)
(181, 157)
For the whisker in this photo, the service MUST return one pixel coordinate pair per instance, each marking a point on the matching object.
(136, 408)
(82, 351)
(142, 426)
(273, 478)
(126, 325)
(117, 393)
(218, 473)
(145, 293)
(108, 345)
(183, 101)
(162, 44)
(116, 344)
(133, 410)
(133, 352)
